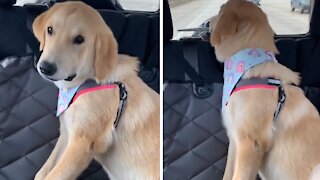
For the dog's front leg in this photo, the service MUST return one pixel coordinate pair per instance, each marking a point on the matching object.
(76, 157)
(229, 171)
(54, 156)
(248, 158)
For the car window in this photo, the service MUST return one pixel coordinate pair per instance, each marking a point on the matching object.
(130, 5)
(285, 16)
(140, 5)
(22, 2)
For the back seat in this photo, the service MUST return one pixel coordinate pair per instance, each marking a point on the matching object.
(138, 36)
(204, 62)
(194, 140)
(132, 31)
(288, 56)
(151, 67)
(12, 41)
(309, 56)
(309, 61)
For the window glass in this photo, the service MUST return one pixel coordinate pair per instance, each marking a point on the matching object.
(132, 5)
(285, 16)
(22, 2)
(140, 5)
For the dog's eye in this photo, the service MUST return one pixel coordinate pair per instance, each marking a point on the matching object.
(78, 40)
(50, 30)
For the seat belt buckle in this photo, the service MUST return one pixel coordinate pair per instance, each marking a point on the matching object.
(203, 91)
(282, 95)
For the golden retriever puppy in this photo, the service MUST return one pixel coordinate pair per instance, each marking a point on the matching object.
(278, 146)
(78, 46)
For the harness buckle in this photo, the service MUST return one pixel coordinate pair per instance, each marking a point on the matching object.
(123, 96)
(123, 91)
(281, 96)
(275, 82)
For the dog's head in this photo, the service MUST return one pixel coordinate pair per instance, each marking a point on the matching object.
(76, 44)
(241, 24)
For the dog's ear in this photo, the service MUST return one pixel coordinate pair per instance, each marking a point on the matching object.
(106, 55)
(227, 25)
(39, 28)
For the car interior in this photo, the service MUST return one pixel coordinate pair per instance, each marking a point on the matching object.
(195, 142)
(28, 126)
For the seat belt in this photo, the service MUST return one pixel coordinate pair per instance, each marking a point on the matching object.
(189, 70)
(201, 89)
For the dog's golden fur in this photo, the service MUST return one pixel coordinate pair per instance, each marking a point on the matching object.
(130, 151)
(287, 148)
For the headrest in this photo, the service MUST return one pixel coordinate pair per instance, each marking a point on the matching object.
(100, 4)
(167, 26)
(7, 2)
(96, 4)
(175, 54)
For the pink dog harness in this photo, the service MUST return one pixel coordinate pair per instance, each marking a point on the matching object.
(69, 95)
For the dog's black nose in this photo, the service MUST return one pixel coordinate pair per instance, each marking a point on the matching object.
(47, 68)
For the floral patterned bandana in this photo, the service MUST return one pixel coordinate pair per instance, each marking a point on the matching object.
(238, 64)
(65, 97)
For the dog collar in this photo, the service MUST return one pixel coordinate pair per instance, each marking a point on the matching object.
(68, 95)
(238, 64)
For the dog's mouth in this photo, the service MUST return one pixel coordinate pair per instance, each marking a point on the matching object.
(69, 78)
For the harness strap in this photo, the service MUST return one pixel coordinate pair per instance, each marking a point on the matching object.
(265, 83)
(252, 81)
(281, 100)
(122, 95)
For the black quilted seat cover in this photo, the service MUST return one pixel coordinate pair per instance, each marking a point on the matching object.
(28, 126)
(195, 143)
(26, 112)
(194, 140)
